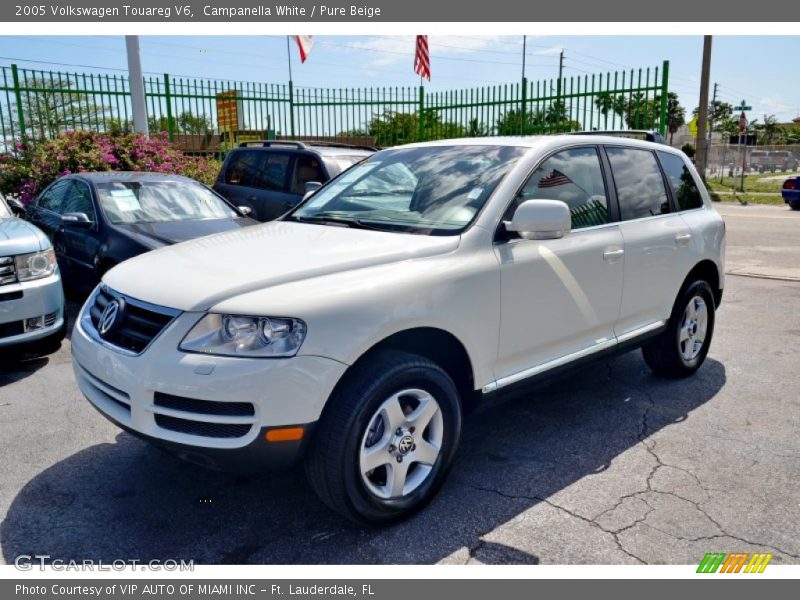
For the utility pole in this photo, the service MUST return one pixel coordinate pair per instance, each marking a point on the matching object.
(711, 120)
(136, 84)
(560, 73)
(702, 117)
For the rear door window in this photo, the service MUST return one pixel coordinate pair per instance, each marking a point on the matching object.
(680, 178)
(640, 184)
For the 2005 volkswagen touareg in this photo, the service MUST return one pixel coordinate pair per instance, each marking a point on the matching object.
(354, 331)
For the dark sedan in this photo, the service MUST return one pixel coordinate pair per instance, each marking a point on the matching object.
(96, 220)
(791, 192)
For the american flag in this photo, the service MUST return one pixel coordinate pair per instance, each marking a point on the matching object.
(554, 178)
(422, 59)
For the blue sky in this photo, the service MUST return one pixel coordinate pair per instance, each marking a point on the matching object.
(762, 70)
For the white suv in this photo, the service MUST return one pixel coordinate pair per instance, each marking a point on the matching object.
(356, 330)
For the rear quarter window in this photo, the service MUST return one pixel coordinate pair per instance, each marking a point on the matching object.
(680, 178)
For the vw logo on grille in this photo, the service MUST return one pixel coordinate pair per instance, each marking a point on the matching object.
(405, 445)
(111, 315)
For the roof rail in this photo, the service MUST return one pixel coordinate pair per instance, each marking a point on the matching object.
(340, 145)
(650, 136)
(305, 144)
(268, 143)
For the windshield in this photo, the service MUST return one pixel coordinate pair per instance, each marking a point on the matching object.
(432, 190)
(5, 213)
(158, 201)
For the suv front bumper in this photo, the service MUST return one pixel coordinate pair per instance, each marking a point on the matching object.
(212, 410)
(31, 300)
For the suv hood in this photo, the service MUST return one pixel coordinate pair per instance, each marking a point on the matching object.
(198, 274)
(20, 237)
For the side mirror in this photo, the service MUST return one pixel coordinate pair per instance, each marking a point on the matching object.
(541, 220)
(76, 219)
(17, 207)
(310, 187)
(245, 211)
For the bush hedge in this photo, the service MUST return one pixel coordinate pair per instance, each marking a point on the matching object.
(32, 165)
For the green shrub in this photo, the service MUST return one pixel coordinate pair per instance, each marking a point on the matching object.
(33, 165)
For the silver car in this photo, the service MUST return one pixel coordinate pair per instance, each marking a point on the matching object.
(31, 296)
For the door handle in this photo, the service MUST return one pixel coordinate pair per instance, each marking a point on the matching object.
(613, 253)
(682, 239)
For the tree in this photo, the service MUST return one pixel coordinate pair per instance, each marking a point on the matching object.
(676, 114)
(51, 108)
(185, 122)
(718, 113)
(769, 131)
(393, 128)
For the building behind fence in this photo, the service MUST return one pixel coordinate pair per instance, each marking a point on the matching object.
(208, 116)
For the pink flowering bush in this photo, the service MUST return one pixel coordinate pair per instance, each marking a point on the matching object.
(33, 165)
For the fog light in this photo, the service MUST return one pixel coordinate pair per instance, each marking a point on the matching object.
(34, 323)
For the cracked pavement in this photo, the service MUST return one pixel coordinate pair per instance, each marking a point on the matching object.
(607, 465)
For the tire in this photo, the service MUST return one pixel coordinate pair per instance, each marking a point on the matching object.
(674, 355)
(795, 205)
(357, 427)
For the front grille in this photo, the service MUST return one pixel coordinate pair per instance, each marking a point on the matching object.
(50, 319)
(8, 273)
(204, 407)
(137, 325)
(200, 428)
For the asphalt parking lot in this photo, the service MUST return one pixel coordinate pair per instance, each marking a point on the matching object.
(607, 467)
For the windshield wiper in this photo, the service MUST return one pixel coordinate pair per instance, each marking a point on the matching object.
(322, 218)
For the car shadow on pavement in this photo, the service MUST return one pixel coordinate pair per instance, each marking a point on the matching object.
(127, 500)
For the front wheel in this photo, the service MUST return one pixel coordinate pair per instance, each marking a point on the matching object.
(683, 346)
(795, 205)
(386, 439)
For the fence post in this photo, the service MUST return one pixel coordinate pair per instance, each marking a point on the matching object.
(524, 107)
(291, 108)
(18, 97)
(662, 122)
(421, 113)
(170, 121)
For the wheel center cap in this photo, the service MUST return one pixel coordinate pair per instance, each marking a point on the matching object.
(405, 444)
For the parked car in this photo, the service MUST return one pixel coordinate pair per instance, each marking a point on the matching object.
(356, 330)
(784, 160)
(97, 220)
(31, 297)
(791, 192)
(760, 161)
(272, 177)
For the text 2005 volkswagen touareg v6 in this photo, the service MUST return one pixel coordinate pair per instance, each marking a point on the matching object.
(352, 332)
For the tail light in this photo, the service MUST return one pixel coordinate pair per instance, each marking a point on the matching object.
(790, 184)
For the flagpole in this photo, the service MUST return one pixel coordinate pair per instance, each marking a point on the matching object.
(289, 56)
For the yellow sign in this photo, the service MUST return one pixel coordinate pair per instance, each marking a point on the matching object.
(693, 127)
(230, 111)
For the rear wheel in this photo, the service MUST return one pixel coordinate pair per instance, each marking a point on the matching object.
(795, 205)
(683, 346)
(387, 438)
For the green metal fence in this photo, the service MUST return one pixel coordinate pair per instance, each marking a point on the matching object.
(208, 116)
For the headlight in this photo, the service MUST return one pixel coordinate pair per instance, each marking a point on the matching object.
(35, 265)
(235, 335)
